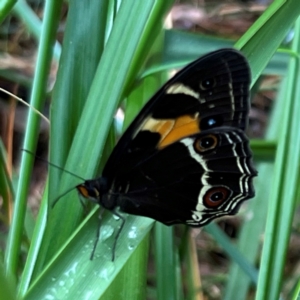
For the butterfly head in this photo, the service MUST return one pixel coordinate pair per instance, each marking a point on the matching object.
(97, 191)
(92, 189)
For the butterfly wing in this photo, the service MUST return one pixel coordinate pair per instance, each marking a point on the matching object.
(185, 158)
(210, 92)
(192, 181)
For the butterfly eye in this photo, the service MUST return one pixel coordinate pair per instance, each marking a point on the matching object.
(206, 143)
(207, 84)
(88, 192)
(216, 196)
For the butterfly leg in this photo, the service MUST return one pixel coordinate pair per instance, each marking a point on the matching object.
(97, 234)
(118, 233)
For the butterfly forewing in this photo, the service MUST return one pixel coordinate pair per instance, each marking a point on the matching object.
(212, 91)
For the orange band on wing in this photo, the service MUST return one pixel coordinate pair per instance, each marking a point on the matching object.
(163, 127)
(172, 130)
(183, 126)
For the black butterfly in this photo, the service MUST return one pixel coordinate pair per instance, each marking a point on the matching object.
(185, 158)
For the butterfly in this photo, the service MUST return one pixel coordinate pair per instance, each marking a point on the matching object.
(185, 158)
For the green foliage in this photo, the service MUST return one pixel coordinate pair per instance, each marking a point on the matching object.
(108, 56)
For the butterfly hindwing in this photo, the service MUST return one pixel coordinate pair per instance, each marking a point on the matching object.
(192, 181)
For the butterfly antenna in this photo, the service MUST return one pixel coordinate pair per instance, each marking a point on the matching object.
(53, 165)
(58, 167)
(62, 195)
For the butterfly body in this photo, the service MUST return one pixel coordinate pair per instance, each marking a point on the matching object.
(185, 158)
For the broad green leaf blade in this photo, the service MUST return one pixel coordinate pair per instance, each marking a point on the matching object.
(263, 38)
(182, 47)
(165, 261)
(285, 185)
(72, 275)
(131, 282)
